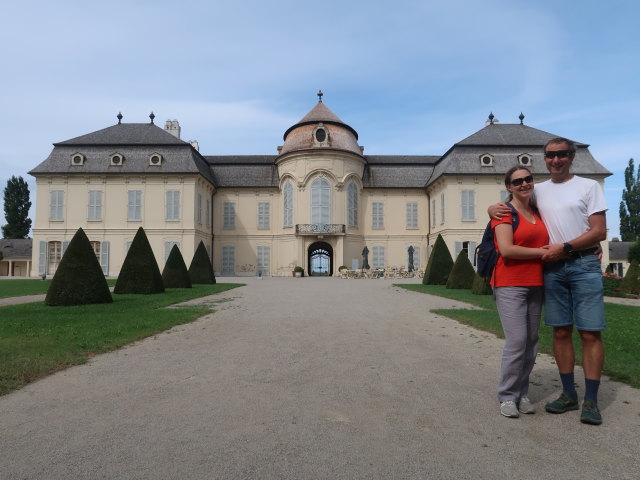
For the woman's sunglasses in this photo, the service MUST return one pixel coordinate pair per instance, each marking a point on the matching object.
(519, 181)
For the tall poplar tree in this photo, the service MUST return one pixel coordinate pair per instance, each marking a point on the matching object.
(16, 209)
(630, 205)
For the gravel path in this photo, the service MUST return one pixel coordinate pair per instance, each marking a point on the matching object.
(311, 378)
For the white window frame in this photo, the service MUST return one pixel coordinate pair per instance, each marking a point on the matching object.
(229, 215)
(56, 211)
(208, 213)
(442, 208)
(468, 205)
(287, 200)
(95, 206)
(134, 205)
(377, 215)
(172, 211)
(412, 215)
(264, 215)
(377, 257)
(199, 209)
(352, 205)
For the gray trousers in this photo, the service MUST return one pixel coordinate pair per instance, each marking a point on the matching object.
(519, 309)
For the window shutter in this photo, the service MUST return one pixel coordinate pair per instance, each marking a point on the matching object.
(42, 258)
(104, 257)
(65, 244)
(458, 250)
(472, 251)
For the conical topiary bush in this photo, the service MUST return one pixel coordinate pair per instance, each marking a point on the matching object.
(140, 272)
(439, 265)
(481, 286)
(200, 270)
(79, 279)
(462, 273)
(175, 274)
(631, 280)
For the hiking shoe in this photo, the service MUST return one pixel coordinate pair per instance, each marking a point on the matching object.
(564, 403)
(509, 409)
(590, 413)
(525, 406)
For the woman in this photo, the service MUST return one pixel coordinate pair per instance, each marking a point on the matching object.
(517, 285)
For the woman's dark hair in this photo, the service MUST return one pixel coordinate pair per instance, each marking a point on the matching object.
(507, 178)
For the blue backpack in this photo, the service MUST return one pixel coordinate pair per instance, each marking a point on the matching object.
(486, 255)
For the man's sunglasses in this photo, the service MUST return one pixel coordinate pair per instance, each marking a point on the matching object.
(519, 181)
(558, 153)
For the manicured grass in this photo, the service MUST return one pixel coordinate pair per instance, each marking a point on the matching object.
(28, 286)
(621, 337)
(36, 340)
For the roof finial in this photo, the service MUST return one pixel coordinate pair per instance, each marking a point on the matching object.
(152, 116)
(521, 117)
(491, 117)
(119, 116)
(320, 96)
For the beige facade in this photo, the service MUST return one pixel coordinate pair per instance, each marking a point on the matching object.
(316, 204)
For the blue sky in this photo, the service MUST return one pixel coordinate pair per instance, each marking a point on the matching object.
(412, 77)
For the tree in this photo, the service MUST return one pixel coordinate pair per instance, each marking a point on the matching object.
(16, 209)
(439, 265)
(79, 279)
(634, 252)
(630, 205)
(139, 272)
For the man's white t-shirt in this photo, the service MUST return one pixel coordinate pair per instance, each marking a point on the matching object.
(565, 207)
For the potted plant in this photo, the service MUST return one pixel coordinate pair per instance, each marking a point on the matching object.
(298, 271)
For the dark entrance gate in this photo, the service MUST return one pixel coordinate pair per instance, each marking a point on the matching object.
(320, 259)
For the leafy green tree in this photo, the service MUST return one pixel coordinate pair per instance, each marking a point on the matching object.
(634, 252)
(175, 274)
(79, 279)
(200, 270)
(462, 273)
(439, 265)
(630, 205)
(16, 209)
(139, 272)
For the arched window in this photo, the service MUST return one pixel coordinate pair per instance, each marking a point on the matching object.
(352, 204)
(288, 204)
(321, 201)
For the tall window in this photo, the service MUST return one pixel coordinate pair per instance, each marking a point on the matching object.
(416, 257)
(433, 213)
(54, 254)
(208, 213)
(442, 208)
(134, 206)
(377, 209)
(287, 220)
(263, 215)
(412, 215)
(173, 205)
(377, 259)
(352, 204)
(95, 204)
(262, 262)
(229, 215)
(228, 260)
(468, 247)
(101, 249)
(199, 209)
(503, 195)
(468, 205)
(321, 201)
(57, 204)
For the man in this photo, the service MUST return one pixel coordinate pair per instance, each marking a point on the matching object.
(573, 209)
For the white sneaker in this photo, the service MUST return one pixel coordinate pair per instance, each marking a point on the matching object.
(525, 406)
(509, 409)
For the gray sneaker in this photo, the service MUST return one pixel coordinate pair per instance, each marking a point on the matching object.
(525, 406)
(509, 409)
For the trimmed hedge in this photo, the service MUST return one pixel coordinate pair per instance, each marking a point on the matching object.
(631, 280)
(200, 270)
(140, 272)
(175, 273)
(462, 273)
(481, 286)
(439, 265)
(79, 279)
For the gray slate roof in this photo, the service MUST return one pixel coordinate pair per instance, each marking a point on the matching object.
(243, 171)
(398, 171)
(619, 250)
(16, 248)
(126, 134)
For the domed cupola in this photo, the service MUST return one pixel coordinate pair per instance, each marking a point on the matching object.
(320, 129)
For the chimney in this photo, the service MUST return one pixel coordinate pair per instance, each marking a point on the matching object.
(173, 127)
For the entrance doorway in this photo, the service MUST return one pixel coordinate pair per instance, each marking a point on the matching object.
(320, 259)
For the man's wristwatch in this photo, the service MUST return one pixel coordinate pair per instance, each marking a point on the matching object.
(568, 248)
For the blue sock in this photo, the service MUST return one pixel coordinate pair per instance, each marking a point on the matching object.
(591, 389)
(568, 385)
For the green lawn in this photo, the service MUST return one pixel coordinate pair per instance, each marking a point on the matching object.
(36, 340)
(621, 337)
(28, 286)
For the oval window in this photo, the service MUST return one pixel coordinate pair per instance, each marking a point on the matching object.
(321, 135)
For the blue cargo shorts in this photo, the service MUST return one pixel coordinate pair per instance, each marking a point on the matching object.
(573, 293)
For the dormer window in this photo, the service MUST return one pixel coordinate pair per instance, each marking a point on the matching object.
(320, 136)
(77, 159)
(155, 159)
(117, 159)
(525, 160)
(486, 160)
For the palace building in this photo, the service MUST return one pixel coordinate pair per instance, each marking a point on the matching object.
(316, 203)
